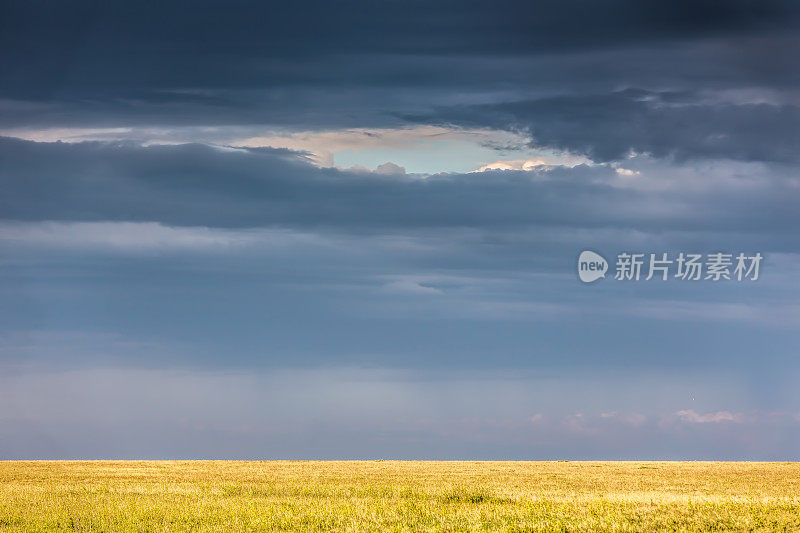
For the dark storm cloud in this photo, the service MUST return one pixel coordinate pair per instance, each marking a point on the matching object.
(608, 127)
(198, 185)
(344, 64)
(52, 45)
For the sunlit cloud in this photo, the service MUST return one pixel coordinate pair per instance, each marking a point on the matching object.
(514, 164)
(689, 415)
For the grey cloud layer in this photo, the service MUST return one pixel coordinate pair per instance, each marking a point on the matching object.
(254, 258)
(197, 185)
(607, 127)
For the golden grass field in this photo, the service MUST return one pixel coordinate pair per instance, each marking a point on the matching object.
(398, 496)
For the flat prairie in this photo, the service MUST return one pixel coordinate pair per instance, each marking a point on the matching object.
(398, 496)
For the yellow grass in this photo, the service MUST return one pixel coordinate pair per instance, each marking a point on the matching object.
(398, 496)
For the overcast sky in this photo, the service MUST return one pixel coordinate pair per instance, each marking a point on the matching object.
(351, 229)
